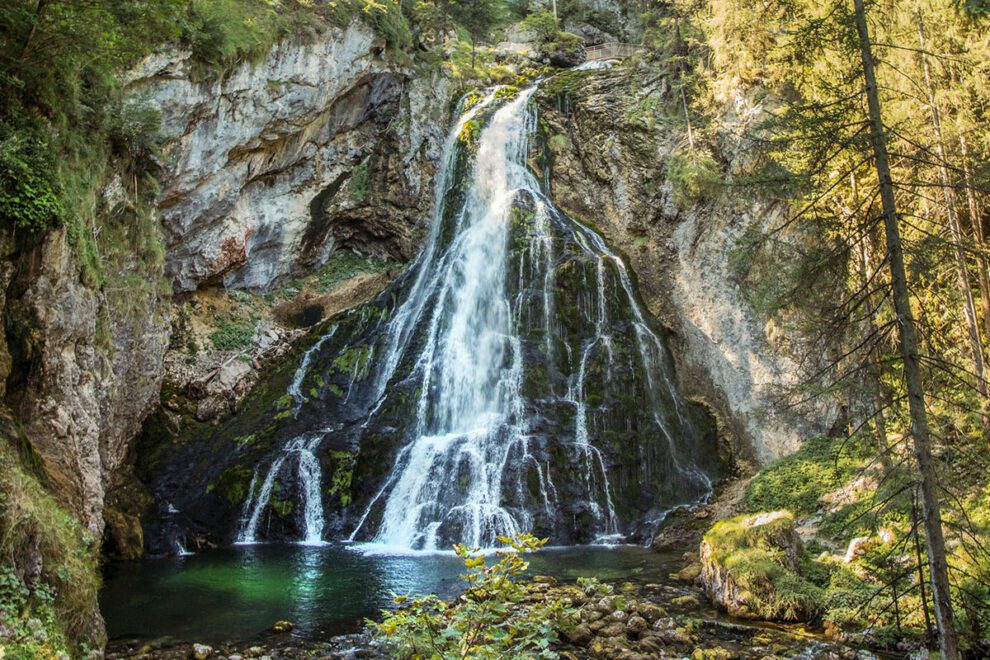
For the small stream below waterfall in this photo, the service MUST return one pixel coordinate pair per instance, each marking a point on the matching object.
(236, 594)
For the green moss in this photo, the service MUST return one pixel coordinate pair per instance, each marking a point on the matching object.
(234, 484)
(346, 264)
(506, 92)
(559, 142)
(53, 616)
(342, 476)
(753, 557)
(798, 482)
(360, 182)
(469, 134)
(354, 361)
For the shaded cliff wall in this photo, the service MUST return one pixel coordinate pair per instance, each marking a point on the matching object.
(615, 135)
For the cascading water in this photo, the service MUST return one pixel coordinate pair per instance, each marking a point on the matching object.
(309, 477)
(509, 381)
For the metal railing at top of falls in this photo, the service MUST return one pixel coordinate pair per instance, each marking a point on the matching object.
(612, 50)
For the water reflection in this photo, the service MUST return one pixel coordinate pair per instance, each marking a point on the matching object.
(236, 594)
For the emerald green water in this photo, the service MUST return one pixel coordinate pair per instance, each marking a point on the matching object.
(236, 594)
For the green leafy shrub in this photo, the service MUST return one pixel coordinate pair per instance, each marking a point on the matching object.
(30, 191)
(50, 614)
(359, 182)
(798, 482)
(694, 175)
(222, 33)
(232, 334)
(391, 22)
(549, 37)
(488, 621)
(345, 265)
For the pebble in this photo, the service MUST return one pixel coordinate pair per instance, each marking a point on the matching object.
(636, 626)
(579, 635)
(282, 626)
(201, 652)
(614, 629)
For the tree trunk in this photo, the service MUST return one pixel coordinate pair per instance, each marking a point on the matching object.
(949, 195)
(39, 11)
(937, 564)
(975, 220)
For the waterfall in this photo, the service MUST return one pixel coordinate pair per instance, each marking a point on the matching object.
(295, 387)
(309, 478)
(509, 381)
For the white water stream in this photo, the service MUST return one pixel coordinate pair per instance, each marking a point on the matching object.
(462, 473)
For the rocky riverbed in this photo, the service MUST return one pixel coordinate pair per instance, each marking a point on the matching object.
(633, 622)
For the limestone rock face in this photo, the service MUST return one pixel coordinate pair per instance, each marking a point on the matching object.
(610, 149)
(272, 167)
(267, 169)
(86, 366)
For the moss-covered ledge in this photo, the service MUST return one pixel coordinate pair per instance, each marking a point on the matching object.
(750, 567)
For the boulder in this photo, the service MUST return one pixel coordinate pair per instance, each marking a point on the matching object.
(857, 548)
(200, 652)
(750, 568)
(636, 626)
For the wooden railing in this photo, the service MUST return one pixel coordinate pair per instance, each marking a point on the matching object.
(612, 50)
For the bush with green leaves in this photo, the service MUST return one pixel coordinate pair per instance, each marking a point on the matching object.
(799, 481)
(46, 606)
(694, 175)
(233, 334)
(490, 620)
(30, 192)
(550, 38)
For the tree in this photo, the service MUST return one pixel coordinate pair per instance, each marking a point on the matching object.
(478, 17)
(910, 352)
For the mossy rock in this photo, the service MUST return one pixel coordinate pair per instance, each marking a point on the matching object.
(750, 568)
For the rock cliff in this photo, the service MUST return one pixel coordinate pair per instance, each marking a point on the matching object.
(613, 142)
(267, 170)
(272, 167)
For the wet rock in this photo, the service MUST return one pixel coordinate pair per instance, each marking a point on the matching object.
(283, 626)
(613, 629)
(689, 573)
(651, 612)
(124, 538)
(590, 616)
(636, 626)
(651, 644)
(605, 606)
(717, 653)
(545, 579)
(200, 652)
(688, 602)
(579, 635)
(619, 615)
